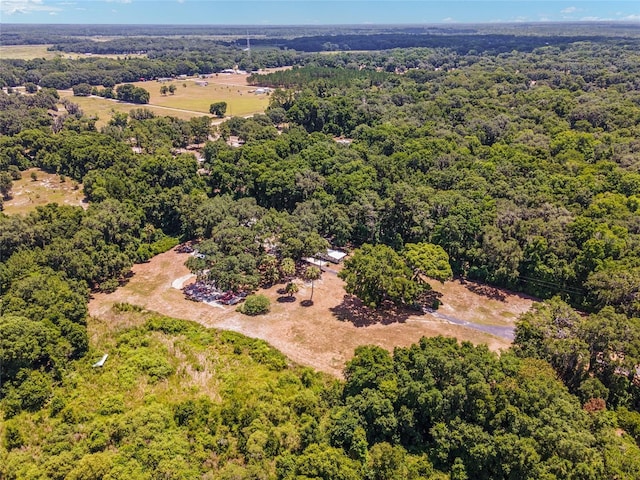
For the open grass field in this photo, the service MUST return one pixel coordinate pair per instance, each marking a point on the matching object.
(189, 100)
(325, 334)
(27, 193)
(29, 52)
(232, 89)
(103, 108)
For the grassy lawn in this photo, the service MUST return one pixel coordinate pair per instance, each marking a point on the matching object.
(187, 101)
(27, 194)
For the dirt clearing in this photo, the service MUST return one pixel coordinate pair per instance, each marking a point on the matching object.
(324, 334)
(28, 193)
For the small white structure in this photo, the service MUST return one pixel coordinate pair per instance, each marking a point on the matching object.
(315, 261)
(202, 83)
(100, 362)
(333, 256)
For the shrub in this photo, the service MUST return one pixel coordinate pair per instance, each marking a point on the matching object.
(255, 305)
(12, 436)
(81, 90)
(30, 87)
(164, 245)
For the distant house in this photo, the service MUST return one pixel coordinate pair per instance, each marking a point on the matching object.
(201, 83)
(333, 256)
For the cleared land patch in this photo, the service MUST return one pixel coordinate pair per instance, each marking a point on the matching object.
(189, 95)
(29, 52)
(103, 109)
(27, 193)
(189, 100)
(323, 335)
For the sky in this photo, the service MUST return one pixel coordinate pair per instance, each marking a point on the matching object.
(313, 12)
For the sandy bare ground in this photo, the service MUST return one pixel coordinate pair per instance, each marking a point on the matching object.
(325, 334)
(27, 194)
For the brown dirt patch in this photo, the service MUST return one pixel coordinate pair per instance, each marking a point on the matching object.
(322, 335)
(479, 303)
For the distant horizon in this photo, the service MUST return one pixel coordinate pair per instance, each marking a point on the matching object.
(275, 13)
(321, 25)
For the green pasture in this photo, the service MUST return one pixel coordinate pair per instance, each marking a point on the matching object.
(190, 96)
(29, 52)
(188, 101)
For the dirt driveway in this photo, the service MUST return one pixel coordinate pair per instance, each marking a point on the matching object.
(325, 334)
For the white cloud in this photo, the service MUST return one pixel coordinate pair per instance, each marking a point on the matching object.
(180, 1)
(633, 18)
(11, 7)
(118, 1)
(570, 10)
(449, 20)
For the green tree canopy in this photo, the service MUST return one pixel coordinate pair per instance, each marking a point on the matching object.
(218, 109)
(376, 273)
(429, 260)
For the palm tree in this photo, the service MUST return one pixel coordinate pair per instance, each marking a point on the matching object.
(312, 274)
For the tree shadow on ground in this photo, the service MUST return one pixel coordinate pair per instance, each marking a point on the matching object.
(485, 290)
(125, 279)
(430, 299)
(286, 299)
(353, 310)
(306, 303)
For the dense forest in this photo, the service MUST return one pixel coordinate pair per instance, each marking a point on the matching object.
(516, 167)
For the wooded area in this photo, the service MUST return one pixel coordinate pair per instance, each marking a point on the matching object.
(515, 166)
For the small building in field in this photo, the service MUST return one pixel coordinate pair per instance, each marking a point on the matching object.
(201, 83)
